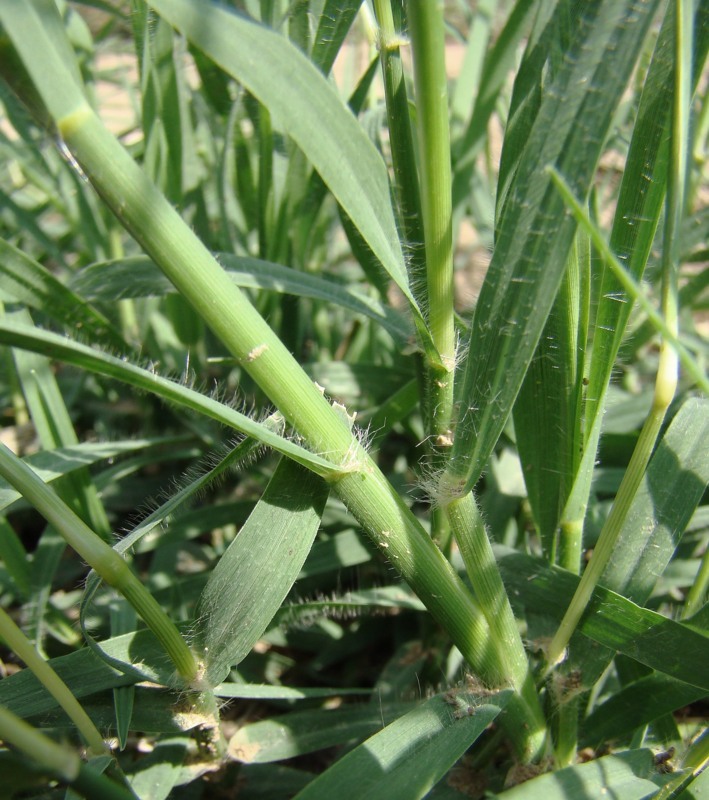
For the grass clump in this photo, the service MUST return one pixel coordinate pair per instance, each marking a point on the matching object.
(454, 548)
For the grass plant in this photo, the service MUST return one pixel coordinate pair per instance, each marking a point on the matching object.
(333, 528)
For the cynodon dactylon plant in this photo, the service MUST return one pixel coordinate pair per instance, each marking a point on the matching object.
(459, 543)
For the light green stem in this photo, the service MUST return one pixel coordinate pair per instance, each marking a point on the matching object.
(101, 558)
(431, 82)
(511, 661)
(402, 148)
(698, 589)
(58, 759)
(22, 647)
(612, 527)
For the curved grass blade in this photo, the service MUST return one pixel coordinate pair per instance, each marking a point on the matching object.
(671, 490)
(341, 152)
(156, 775)
(635, 705)
(627, 281)
(85, 673)
(108, 281)
(353, 603)
(534, 231)
(252, 691)
(548, 414)
(258, 569)
(627, 775)
(335, 21)
(413, 753)
(26, 281)
(51, 465)
(676, 649)
(303, 732)
(71, 352)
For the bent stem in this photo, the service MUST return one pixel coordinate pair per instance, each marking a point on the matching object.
(58, 759)
(16, 640)
(101, 558)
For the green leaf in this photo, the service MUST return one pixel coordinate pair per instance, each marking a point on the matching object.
(304, 103)
(413, 753)
(253, 577)
(548, 414)
(155, 776)
(108, 281)
(333, 25)
(51, 465)
(534, 231)
(93, 360)
(251, 691)
(85, 673)
(636, 705)
(156, 711)
(625, 775)
(308, 731)
(14, 558)
(611, 620)
(672, 487)
(26, 281)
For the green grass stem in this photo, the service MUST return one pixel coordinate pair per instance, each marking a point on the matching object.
(357, 480)
(480, 564)
(630, 285)
(402, 147)
(431, 83)
(698, 590)
(58, 759)
(101, 558)
(16, 640)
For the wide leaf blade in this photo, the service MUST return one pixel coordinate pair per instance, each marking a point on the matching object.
(413, 753)
(625, 775)
(674, 648)
(253, 577)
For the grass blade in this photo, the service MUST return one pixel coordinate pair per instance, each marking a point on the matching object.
(678, 650)
(26, 281)
(108, 281)
(94, 360)
(635, 705)
(413, 753)
(51, 465)
(342, 153)
(625, 775)
(308, 731)
(253, 577)
(334, 23)
(534, 233)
